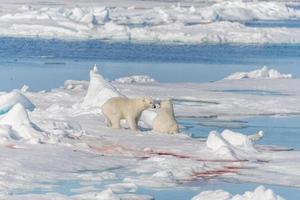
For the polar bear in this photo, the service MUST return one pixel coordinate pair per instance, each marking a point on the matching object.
(118, 108)
(165, 121)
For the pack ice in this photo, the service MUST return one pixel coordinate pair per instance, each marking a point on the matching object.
(188, 22)
(74, 149)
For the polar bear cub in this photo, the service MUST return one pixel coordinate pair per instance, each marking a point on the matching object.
(118, 108)
(165, 121)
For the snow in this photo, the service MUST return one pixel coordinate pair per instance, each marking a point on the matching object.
(260, 193)
(155, 21)
(263, 73)
(61, 142)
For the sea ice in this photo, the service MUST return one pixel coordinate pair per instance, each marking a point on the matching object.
(156, 21)
(90, 154)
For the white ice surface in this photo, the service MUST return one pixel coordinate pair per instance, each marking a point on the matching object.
(158, 21)
(84, 150)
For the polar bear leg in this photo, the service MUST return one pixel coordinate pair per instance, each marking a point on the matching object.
(132, 123)
(108, 122)
(115, 123)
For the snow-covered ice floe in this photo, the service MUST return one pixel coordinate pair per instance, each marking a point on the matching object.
(262, 73)
(193, 22)
(259, 193)
(74, 147)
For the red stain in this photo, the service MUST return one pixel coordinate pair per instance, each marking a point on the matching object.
(113, 149)
(194, 158)
(11, 146)
(217, 172)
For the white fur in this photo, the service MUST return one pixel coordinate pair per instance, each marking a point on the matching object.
(165, 121)
(118, 108)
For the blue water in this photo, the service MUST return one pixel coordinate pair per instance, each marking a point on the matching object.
(46, 64)
(255, 92)
(274, 23)
(280, 131)
(233, 188)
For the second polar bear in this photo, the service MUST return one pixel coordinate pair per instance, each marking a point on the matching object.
(165, 121)
(118, 108)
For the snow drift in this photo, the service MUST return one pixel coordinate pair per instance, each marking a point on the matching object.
(263, 73)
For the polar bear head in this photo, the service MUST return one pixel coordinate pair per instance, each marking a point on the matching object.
(148, 102)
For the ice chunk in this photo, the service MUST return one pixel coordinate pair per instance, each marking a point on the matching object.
(220, 146)
(215, 141)
(24, 88)
(263, 73)
(99, 90)
(16, 125)
(136, 79)
(260, 193)
(231, 145)
(215, 195)
(8, 100)
(256, 137)
(107, 194)
(123, 187)
(238, 140)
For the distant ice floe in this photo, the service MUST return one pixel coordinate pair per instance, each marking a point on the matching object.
(217, 22)
(263, 73)
(260, 193)
(136, 79)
